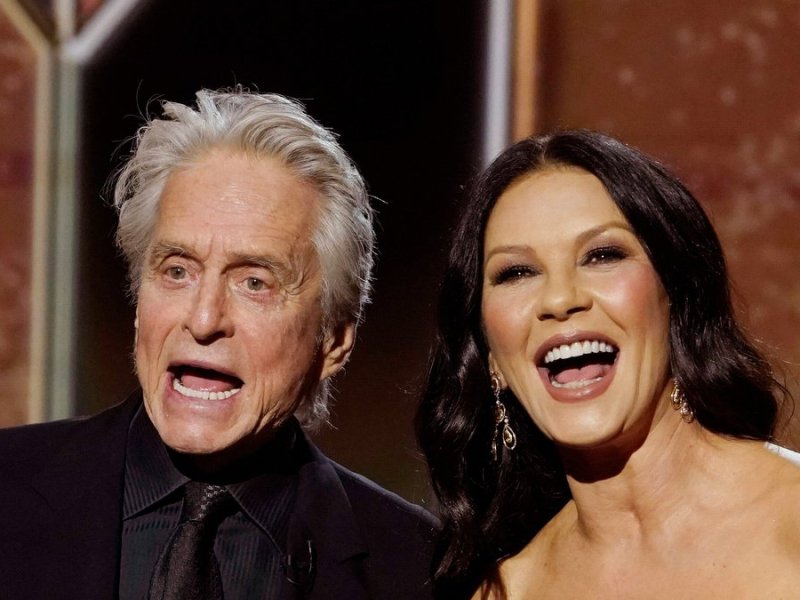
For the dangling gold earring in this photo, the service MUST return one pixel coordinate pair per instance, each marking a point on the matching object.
(680, 403)
(502, 428)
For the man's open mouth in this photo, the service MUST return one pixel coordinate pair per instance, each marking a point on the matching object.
(578, 364)
(204, 384)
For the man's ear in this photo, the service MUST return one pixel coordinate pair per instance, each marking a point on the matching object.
(336, 348)
(136, 327)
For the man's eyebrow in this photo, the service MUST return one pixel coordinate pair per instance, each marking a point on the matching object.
(161, 250)
(258, 261)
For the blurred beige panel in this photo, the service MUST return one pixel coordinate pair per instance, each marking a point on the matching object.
(526, 41)
(712, 89)
(17, 94)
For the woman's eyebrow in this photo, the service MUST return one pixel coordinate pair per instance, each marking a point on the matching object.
(507, 249)
(582, 238)
(603, 228)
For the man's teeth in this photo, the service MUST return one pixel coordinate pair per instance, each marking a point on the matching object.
(576, 349)
(202, 394)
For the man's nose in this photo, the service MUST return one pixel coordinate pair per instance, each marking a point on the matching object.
(561, 296)
(209, 317)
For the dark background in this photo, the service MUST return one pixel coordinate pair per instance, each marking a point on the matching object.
(400, 82)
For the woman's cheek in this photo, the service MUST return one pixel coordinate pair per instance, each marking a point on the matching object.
(506, 321)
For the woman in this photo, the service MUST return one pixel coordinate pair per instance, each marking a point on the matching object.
(594, 418)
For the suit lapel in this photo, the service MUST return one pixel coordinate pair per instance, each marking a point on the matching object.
(83, 486)
(325, 543)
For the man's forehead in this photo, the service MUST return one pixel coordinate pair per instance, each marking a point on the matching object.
(252, 195)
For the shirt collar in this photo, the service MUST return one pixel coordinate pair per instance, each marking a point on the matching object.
(150, 475)
(268, 494)
(264, 487)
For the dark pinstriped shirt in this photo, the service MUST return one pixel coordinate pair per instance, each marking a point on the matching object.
(249, 544)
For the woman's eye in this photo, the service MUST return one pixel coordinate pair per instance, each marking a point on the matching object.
(513, 273)
(176, 272)
(605, 255)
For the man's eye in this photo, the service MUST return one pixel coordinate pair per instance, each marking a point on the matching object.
(176, 272)
(254, 284)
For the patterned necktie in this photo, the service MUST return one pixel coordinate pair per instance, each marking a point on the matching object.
(187, 569)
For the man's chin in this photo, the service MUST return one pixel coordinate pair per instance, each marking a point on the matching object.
(195, 450)
(201, 457)
(198, 438)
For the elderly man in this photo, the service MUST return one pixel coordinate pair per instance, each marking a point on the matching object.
(248, 233)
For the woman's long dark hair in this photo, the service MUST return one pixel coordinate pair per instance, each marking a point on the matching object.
(493, 509)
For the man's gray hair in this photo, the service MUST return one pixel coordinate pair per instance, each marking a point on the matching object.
(261, 125)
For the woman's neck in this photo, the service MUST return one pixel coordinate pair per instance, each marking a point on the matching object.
(653, 488)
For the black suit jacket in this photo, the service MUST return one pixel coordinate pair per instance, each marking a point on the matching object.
(61, 489)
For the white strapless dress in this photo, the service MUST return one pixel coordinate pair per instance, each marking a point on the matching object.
(789, 455)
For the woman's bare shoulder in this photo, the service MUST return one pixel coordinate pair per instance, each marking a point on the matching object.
(520, 575)
(782, 501)
(523, 573)
(515, 573)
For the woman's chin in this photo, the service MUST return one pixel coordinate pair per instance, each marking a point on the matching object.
(590, 437)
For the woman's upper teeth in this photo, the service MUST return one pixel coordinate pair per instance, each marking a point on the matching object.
(577, 349)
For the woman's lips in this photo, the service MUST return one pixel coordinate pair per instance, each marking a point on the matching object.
(580, 370)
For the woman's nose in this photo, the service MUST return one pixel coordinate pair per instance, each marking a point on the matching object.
(562, 296)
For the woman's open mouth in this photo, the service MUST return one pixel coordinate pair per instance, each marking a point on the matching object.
(580, 363)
